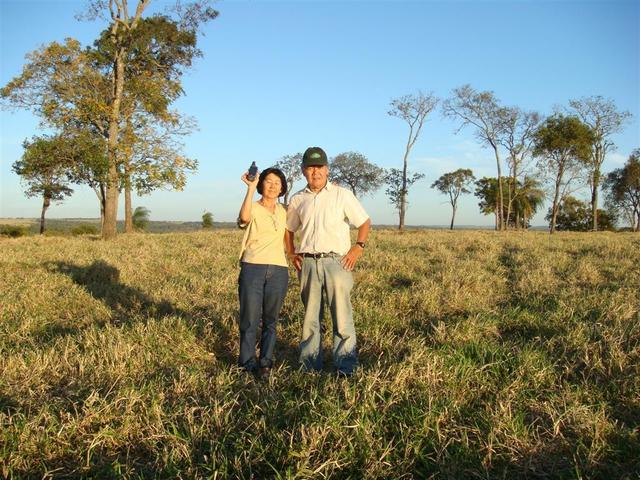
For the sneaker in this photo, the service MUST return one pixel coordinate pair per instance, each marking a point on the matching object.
(343, 374)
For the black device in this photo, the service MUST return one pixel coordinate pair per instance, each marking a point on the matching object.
(253, 169)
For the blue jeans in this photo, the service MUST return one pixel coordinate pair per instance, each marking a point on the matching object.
(262, 289)
(328, 275)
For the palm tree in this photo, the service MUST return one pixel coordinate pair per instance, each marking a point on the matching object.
(529, 198)
(141, 217)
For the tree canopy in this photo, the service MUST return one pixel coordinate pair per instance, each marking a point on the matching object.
(454, 184)
(353, 170)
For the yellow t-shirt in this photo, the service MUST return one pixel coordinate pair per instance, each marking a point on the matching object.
(263, 240)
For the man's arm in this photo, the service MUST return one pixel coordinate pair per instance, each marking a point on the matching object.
(354, 253)
(291, 250)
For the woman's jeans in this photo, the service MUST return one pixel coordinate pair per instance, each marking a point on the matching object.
(327, 274)
(262, 289)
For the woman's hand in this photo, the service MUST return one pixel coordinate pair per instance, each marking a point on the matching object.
(296, 260)
(250, 183)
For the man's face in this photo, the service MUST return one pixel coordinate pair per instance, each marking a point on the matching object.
(316, 175)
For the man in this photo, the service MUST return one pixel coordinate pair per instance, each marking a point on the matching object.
(324, 260)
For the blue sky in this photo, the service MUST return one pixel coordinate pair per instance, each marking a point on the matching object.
(279, 76)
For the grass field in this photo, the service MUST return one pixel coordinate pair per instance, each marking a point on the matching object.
(484, 355)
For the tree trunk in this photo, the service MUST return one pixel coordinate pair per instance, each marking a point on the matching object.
(594, 198)
(500, 213)
(510, 198)
(128, 212)
(403, 193)
(46, 201)
(109, 228)
(453, 216)
(103, 202)
(555, 207)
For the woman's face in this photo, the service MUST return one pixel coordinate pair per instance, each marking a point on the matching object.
(272, 186)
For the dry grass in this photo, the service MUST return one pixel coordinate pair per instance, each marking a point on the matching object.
(484, 355)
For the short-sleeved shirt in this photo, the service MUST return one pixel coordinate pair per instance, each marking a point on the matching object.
(263, 240)
(323, 219)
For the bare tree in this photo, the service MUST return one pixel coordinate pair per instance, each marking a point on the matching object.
(356, 172)
(291, 167)
(414, 110)
(482, 111)
(604, 119)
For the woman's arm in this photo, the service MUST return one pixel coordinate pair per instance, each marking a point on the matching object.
(244, 217)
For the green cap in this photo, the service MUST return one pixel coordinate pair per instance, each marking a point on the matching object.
(314, 156)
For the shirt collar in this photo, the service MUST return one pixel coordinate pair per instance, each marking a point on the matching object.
(329, 186)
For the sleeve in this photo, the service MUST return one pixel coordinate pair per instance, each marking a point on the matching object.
(353, 209)
(241, 225)
(293, 218)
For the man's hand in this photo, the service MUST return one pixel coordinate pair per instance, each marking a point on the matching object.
(296, 259)
(352, 256)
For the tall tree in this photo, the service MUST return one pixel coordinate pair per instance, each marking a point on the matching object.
(563, 148)
(43, 168)
(121, 44)
(355, 171)
(413, 109)
(605, 120)
(291, 167)
(622, 188)
(454, 184)
(519, 130)
(133, 69)
(482, 111)
(398, 183)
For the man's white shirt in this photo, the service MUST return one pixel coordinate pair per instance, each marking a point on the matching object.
(323, 219)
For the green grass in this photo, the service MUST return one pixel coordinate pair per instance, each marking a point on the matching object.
(484, 355)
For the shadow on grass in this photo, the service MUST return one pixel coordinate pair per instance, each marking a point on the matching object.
(102, 282)
(129, 305)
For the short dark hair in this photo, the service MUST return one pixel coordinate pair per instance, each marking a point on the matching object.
(279, 174)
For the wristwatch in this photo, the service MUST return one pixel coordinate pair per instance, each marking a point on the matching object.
(362, 244)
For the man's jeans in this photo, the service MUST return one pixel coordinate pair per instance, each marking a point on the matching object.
(262, 289)
(327, 274)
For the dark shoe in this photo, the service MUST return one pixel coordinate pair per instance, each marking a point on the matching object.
(343, 374)
(264, 373)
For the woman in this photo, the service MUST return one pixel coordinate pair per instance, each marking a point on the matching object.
(264, 276)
